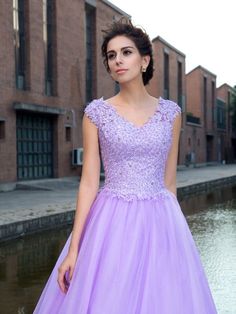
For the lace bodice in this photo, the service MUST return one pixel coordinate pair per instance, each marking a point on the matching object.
(133, 157)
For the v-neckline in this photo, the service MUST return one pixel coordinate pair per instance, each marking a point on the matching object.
(157, 109)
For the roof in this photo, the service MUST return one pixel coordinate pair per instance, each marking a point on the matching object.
(226, 85)
(159, 38)
(114, 7)
(203, 69)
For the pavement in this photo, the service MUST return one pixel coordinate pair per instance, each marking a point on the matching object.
(46, 204)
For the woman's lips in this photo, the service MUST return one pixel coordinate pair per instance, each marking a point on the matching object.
(120, 71)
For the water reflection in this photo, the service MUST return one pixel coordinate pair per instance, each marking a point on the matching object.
(25, 264)
(214, 230)
(24, 267)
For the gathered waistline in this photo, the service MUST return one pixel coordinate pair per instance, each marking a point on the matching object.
(162, 193)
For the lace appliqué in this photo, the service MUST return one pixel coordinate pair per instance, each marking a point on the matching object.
(134, 158)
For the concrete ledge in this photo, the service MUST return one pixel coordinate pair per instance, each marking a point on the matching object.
(6, 187)
(27, 212)
(38, 108)
(20, 228)
(205, 187)
(197, 165)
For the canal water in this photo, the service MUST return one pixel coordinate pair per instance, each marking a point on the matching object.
(26, 263)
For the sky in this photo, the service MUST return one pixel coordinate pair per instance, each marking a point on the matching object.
(204, 30)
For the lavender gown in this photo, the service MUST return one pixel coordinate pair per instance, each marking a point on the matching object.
(136, 253)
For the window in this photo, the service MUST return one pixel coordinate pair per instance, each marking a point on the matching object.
(213, 93)
(68, 133)
(166, 76)
(228, 98)
(90, 52)
(213, 100)
(221, 114)
(204, 91)
(205, 100)
(20, 19)
(180, 83)
(2, 129)
(49, 28)
(229, 118)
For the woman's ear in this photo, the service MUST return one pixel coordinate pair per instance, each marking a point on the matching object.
(145, 61)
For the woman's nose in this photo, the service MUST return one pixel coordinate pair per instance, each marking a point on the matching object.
(118, 59)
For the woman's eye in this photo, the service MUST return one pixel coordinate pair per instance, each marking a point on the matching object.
(127, 52)
(111, 56)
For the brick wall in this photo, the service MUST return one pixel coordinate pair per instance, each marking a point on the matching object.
(70, 63)
(156, 85)
(203, 135)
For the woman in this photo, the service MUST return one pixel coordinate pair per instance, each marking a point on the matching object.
(130, 250)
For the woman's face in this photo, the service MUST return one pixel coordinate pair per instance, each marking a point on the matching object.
(124, 60)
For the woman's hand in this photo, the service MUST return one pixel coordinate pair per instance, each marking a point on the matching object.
(66, 270)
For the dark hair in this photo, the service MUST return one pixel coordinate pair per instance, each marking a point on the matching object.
(124, 27)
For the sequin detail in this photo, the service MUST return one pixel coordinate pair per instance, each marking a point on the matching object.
(162, 194)
(134, 157)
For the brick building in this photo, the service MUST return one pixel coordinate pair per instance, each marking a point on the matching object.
(51, 67)
(169, 79)
(226, 126)
(50, 64)
(200, 128)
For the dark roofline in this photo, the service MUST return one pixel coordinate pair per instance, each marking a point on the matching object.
(159, 38)
(227, 85)
(223, 100)
(202, 68)
(17, 105)
(114, 7)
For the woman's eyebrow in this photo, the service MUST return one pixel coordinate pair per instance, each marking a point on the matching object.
(127, 47)
(121, 49)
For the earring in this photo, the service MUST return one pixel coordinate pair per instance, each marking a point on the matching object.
(144, 69)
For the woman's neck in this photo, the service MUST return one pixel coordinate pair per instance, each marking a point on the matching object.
(133, 94)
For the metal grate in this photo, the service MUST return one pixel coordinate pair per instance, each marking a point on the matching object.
(34, 146)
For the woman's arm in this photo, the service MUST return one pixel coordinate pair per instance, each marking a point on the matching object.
(89, 182)
(88, 188)
(171, 163)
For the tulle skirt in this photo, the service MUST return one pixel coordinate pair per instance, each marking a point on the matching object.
(135, 257)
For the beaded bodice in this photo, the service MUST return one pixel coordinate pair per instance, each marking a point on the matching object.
(133, 157)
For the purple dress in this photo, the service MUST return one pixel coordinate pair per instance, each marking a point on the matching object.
(136, 253)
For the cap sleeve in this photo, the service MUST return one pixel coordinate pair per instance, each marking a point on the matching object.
(172, 109)
(176, 110)
(92, 112)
